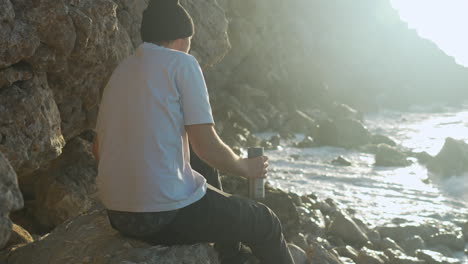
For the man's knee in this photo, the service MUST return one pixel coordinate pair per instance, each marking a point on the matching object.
(269, 220)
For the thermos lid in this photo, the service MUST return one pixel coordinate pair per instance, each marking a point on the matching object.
(255, 152)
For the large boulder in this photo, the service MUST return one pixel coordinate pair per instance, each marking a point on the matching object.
(10, 198)
(344, 227)
(18, 40)
(91, 239)
(397, 256)
(347, 133)
(369, 256)
(210, 42)
(386, 155)
(433, 257)
(411, 244)
(452, 160)
(318, 254)
(65, 188)
(435, 233)
(30, 134)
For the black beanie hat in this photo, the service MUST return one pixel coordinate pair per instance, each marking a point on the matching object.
(165, 20)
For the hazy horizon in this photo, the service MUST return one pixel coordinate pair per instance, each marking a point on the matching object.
(442, 22)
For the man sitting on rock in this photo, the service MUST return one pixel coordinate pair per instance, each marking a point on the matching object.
(154, 104)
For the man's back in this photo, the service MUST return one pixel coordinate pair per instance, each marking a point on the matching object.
(144, 154)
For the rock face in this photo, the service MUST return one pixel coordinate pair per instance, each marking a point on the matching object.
(10, 198)
(30, 124)
(345, 133)
(435, 233)
(386, 155)
(432, 257)
(211, 42)
(343, 226)
(452, 160)
(19, 236)
(64, 189)
(90, 239)
(56, 57)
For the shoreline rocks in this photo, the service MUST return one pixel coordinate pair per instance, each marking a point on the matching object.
(11, 198)
(452, 160)
(90, 238)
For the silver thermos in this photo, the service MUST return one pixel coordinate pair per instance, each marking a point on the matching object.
(256, 185)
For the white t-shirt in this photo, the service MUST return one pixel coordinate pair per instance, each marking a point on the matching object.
(143, 146)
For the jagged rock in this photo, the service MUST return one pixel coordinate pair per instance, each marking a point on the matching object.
(374, 235)
(283, 206)
(389, 156)
(243, 119)
(465, 230)
(341, 161)
(324, 207)
(336, 241)
(348, 252)
(307, 142)
(453, 240)
(432, 257)
(347, 133)
(381, 139)
(343, 226)
(130, 14)
(340, 110)
(423, 157)
(452, 160)
(300, 241)
(275, 140)
(410, 245)
(18, 39)
(30, 125)
(300, 122)
(15, 73)
(406, 230)
(64, 189)
(368, 256)
(210, 43)
(318, 254)
(101, 43)
(388, 243)
(19, 236)
(298, 254)
(10, 198)
(314, 223)
(90, 239)
(440, 233)
(397, 256)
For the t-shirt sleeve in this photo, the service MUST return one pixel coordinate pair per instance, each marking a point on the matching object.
(194, 99)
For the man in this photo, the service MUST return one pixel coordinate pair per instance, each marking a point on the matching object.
(154, 104)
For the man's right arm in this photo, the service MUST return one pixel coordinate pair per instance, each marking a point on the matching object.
(210, 148)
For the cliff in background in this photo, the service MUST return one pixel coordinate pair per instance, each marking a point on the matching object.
(263, 61)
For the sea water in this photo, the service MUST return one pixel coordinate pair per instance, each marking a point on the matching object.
(380, 194)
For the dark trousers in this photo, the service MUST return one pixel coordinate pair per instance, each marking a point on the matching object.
(218, 217)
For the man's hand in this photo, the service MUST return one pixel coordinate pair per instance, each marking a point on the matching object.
(256, 167)
(210, 148)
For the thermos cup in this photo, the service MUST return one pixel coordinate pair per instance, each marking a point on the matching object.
(256, 185)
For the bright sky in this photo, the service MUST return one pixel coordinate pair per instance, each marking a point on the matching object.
(445, 22)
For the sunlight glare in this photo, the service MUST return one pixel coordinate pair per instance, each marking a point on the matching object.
(443, 22)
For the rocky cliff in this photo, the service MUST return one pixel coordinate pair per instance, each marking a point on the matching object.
(269, 64)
